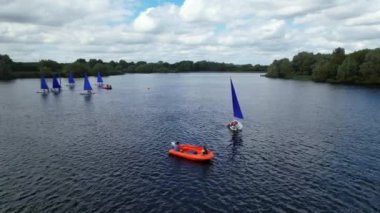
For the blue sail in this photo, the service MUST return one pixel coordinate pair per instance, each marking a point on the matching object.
(235, 103)
(71, 79)
(56, 84)
(87, 85)
(100, 80)
(43, 83)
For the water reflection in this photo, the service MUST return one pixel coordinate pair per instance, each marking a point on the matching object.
(44, 96)
(44, 99)
(203, 168)
(87, 98)
(56, 94)
(235, 143)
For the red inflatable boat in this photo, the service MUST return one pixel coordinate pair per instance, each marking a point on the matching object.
(192, 152)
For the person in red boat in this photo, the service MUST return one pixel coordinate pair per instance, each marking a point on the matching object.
(204, 150)
(175, 145)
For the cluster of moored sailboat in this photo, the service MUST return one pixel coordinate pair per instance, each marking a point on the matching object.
(56, 85)
(202, 153)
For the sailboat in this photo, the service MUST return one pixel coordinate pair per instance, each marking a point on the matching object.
(101, 84)
(56, 86)
(100, 80)
(71, 80)
(235, 125)
(87, 86)
(44, 86)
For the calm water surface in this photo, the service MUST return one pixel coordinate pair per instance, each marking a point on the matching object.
(306, 147)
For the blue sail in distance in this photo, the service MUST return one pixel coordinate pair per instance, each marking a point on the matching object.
(56, 83)
(87, 85)
(43, 83)
(71, 79)
(235, 103)
(100, 80)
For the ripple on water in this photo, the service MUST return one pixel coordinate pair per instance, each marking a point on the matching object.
(110, 153)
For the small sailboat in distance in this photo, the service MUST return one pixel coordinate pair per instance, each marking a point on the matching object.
(71, 81)
(44, 86)
(87, 86)
(99, 80)
(235, 125)
(101, 84)
(56, 86)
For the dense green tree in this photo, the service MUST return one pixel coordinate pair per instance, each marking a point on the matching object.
(259, 68)
(303, 62)
(102, 68)
(324, 70)
(201, 66)
(132, 68)
(370, 69)
(280, 69)
(145, 68)
(274, 69)
(81, 60)
(185, 66)
(338, 56)
(285, 68)
(359, 67)
(25, 67)
(47, 67)
(78, 69)
(5, 67)
(359, 55)
(112, 64)
(140, 63)
(348, 71)
(92, 62)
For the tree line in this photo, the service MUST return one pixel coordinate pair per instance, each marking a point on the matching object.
(359, 67)
(10, 69)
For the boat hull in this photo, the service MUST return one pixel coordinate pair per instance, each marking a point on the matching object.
(235, 128)
(106, 87)
(191, 152)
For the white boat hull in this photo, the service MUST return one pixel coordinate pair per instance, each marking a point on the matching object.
(235, 128)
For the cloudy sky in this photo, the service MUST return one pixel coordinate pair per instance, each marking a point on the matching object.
(237, 31)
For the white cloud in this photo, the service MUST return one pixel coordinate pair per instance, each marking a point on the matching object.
(241, 31)
(144, 22)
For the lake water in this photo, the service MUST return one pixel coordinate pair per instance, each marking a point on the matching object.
(305, 146)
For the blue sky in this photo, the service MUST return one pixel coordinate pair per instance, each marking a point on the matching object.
(239, 31)
(154, 3)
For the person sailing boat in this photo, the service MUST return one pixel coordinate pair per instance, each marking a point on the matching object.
(87, 86)
(235, 125)
(44, 86)
(56, 88)
(99, 80)
(71, 80)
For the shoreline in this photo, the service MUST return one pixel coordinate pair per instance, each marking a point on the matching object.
(31, 75)
(309, 78)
